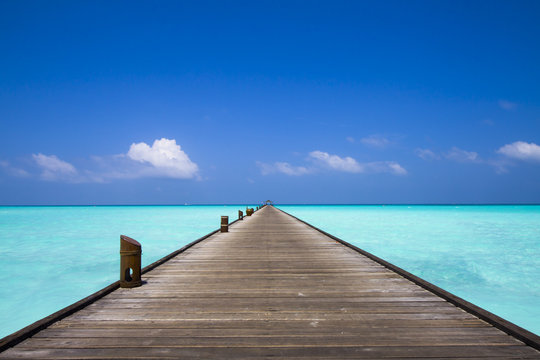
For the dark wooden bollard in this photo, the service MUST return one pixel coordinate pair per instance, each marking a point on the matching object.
(240, 215)
(130, 262)
(224, 224)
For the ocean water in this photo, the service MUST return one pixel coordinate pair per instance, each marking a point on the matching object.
(51, 257)
(488, 255)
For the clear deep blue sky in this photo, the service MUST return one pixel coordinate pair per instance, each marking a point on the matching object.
(157, 102)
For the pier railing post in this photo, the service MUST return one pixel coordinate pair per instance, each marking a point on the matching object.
(224, 224)
(240, 215)
(130, 262)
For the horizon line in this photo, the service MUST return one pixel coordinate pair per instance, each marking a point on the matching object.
(281, 204)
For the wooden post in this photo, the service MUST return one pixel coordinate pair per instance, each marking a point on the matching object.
(224, 224)
(130, 262)
(240, 215)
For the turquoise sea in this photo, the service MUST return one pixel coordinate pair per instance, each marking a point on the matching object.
(488, 255)
(51, 257)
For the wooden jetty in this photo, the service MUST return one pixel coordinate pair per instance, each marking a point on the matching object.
(274, 287)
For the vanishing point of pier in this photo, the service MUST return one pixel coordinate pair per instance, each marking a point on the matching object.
(272, 286)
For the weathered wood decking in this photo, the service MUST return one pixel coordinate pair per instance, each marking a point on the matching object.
(271, 287)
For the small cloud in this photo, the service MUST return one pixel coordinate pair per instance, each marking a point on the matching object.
(282, 167)
(265, 168)
(164, 158)
(521, 150)
(500, 165)
(321, 161)
(376, 141)
(55, 169)
(396, 168)
(350, 139)
(347, 164)
(460, 155)
(488, 122)
(507, 105)
(391, 167)
(13, 171)
(426, 154)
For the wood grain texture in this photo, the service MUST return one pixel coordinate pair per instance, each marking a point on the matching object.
(271, 287)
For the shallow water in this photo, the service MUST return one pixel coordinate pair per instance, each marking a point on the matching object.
(488, 255)
(51, 257)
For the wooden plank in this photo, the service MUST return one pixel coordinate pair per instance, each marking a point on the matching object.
(145, 341)
(261, 329)
(271, 287)
(317, 351)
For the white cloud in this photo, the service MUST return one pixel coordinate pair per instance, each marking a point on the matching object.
(282, 167)
(375, 141)
(521, 150)
(396, 168)
(13, 170)
(507, 105)
(286, 168)
(163, 158)
(348, 164)
(460, 155)
(500, 165)
(350, 139)
(426, 154)
(391, 167)
(55, 169)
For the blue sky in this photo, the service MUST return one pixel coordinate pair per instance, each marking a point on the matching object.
(299, 102)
